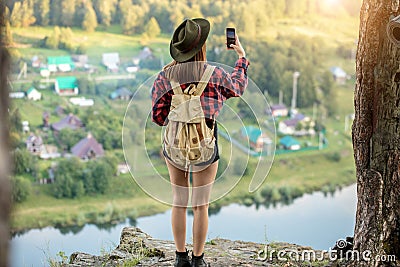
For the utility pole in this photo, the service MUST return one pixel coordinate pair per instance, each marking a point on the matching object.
(296, 75)
(280, 97)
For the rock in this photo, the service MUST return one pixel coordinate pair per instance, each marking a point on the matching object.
(137, 248)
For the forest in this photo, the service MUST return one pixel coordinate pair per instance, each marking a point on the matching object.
(273, 59)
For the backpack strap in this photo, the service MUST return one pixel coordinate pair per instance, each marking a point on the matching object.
(204, 80)
(176, 87)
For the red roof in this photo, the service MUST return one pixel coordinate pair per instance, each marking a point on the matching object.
(88, 148)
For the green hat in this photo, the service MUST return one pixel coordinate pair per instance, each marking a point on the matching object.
(188, 39)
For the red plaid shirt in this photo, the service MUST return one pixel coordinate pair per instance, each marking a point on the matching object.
(221, 86)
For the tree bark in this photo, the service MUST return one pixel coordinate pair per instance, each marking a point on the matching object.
(376, 136)
(5, 190)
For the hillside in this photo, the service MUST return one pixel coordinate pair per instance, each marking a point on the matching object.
(291, 174)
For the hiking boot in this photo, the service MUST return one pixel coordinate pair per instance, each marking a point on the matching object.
(182, 259)
(198, 261)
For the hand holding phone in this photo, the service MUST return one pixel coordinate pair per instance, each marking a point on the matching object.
(233, 43)
(230, 37)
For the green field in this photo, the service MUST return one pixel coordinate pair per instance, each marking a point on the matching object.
(296, 173)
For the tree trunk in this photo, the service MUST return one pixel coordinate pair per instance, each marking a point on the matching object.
(376, 136)
(5, 192)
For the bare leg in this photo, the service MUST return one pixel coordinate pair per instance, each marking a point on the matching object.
(180, 190)
(202, 185)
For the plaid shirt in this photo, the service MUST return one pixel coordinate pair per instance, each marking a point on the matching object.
(221, 86)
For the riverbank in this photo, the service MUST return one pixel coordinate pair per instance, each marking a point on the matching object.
(126, 200)
(137, 248)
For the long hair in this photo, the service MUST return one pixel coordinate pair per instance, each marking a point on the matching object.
(188, 71)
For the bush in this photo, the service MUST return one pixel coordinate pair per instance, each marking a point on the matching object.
(335, 156)
(21, 189)
(24, 162)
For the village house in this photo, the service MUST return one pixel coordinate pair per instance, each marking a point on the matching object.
(25, 126)
(299, 125)
(339, 75)
(88, 148)
(35, 62)
(61, 63)
(66, 86)
(81, 101)
(121, 93)
(16, 94)
(289, 143)
(122, 168)
(33, 94)
(111, 61)
(80, 61)
(279, 110)
(144, 54)
(34, 144)
(71, 121)
(49, 152)
(45, 72)
(258, 141)
(288, 126)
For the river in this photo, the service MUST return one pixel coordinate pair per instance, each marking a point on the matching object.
(314, 220)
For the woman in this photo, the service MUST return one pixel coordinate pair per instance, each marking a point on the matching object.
(188, 50)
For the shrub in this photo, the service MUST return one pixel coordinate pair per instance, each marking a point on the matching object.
(21, 188)
(335, 156)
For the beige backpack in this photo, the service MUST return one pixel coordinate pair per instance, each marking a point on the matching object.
(187, 139)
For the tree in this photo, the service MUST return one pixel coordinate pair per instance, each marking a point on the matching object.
(376, 131)
(42, 12)
(16, 15)
(55, 12)
(328, 93)
(104, 10)
(69, 137)
(152, 28)
(68, 12)
(102, 173)
(27, 15)
(66, 175)
(8, 40)
(15, 121)
(53, 40)
(66, 36)
(23, 161)
(129, 18)
(21, 188)
(5, 162)
(89, 22)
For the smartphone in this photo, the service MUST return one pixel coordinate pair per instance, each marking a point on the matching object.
(230, 37)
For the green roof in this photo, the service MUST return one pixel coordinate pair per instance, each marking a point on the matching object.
(67, 82)
(60, 60)
(288, 141)
(114, 95)
(252, 132)
(30, 90)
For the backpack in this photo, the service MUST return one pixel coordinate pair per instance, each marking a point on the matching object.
(187, 138)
